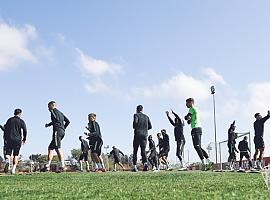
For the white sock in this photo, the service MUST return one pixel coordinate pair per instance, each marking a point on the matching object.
(14, 169)
(99, 166)
(62, 163)
(203, 162)
(7, 161)
(49, 163)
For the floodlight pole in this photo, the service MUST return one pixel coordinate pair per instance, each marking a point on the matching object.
(213, 91)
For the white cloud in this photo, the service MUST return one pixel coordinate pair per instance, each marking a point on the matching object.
(14, 44)
(213, 76)
(97, 86)
(96, 67)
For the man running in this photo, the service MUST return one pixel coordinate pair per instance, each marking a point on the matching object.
(232, 136)
(179, 136)
(15, 133)
(115, 153)
(84, 154)
(193, 118)
(95, 142)
(244, 152)
(141, 125)
(258, 139)
(59, 122)
(153, 157)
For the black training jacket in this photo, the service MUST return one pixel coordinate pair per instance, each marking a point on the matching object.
(141, 124)
(15, 130)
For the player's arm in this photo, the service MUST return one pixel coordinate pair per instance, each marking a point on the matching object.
(170, 119)
(2, 128)
(24, 131)
(67, 122)
(135, 121)
(266, 117)
(149, 124)
(121, 153)
(188, 118)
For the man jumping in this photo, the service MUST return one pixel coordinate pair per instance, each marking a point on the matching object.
(15, 133)
(179, 136)
(141, 125)
(258, 139)
(59, 122)
(193, 118)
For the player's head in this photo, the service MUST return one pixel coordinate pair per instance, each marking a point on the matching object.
(189, 102)
(92, 117)
(80, 138)
(258, 116)
(139, 109)
(150, 137)
(159, 136)
(176, 120)
(163, 132)
(18, 112)
(52, 105)
(114, 147)
(245, 138)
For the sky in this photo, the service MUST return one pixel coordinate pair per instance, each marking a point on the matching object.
(109, 56)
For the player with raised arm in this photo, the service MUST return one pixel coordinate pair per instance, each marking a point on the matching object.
(258, 139)
(232, 136)
(59, 122)
(193, 118)
(179, 136)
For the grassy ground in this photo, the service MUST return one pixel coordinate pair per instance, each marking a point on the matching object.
(163, 185)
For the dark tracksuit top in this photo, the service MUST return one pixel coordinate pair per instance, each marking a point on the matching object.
(59, 120)
(84, 146)
(178, 128)
(95, 133)
(141, 124)
(152, 146)
(15, 130)
(243, 146)
(116, 153)
(166, 141)
(231, 137)
(259, 126)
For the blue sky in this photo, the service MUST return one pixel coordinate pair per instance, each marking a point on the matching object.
(109, 56)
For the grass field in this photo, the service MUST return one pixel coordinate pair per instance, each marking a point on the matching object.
(163, 185)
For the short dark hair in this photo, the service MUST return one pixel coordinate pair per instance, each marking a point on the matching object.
(17, 111)
(190, 100)
(51, 102)
(245, 138)
(80, 138)
(92, 114)
(139, 108)
(256, 115)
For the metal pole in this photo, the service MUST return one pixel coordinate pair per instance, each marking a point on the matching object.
(220, 157)
(215, 123)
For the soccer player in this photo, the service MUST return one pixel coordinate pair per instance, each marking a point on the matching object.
(179, 136)
(193, 118)
(153, 157)
(244, 152)
(84, 154)
(59, 122)
(258, 139)
(231, 145)
(5, 142)
(115, 153)
(15, 133)
(95, 142)
(166, 148)
(141, 125)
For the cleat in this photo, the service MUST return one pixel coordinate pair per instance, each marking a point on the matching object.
(145, 168)
(6, 169)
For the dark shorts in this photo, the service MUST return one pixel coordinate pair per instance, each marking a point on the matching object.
(57, 137)
(84, 156)
(12, 147)
(116, 160)
(196, 134)
(244, 154)
(259, 143)
(96, 146)
(164, 152)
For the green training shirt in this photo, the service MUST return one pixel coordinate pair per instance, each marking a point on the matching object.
(195, 117)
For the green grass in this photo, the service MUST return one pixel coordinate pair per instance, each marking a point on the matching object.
(163, 185)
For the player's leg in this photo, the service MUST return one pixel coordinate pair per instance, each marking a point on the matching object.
(143, 143)
(121, 165)
(260, 159)
(178, 152)
(136, 144)
(16, 152)
(85, 156)
(7, 152)
(249, 160)
(241, 160)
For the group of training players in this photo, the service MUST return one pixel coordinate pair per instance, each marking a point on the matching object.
(244, 147)
(15, 134)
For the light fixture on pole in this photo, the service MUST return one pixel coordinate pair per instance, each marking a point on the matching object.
(213, 92)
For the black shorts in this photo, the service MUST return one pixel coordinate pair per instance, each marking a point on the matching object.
(116, 160)
(12, 147)
(196, 134)
(244, 154)
(84, 156)
(96, 146)
(164, 152)
(259, 142)
(57, 137)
